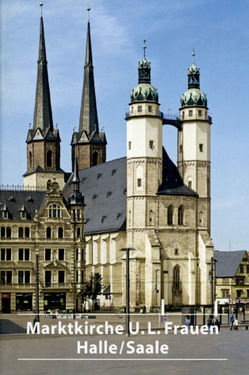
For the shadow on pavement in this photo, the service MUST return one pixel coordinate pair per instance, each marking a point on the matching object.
(7, 327)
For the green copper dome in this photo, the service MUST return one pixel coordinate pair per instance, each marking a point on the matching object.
(194, 97)
(144, 92)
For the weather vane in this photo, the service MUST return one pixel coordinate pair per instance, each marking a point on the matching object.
(41, 5)
(88, 9)
(144, 47)
(193, 54)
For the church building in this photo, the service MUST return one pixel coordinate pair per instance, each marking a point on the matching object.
(142, 201)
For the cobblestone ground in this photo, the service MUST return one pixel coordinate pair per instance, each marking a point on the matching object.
(225, 353)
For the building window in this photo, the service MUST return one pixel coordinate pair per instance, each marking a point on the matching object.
(61, 277)
(149, 108)
(247, 293)
(30, 159)
(8, 232)
(54, 210)
(201, 147)
(47, 254)
(239, 293)
(6, 277)
(131, 109)
(2, 232)
(61, 254)
(170, 215)
(180, 215)
(241, 268)
(95, 158)
(151, 144)
(139, 182)
(20, 232)
(183, 115)
(26, 232)
(78, 232)
(190, 184)
(47, 278)
(5, 254)
(225, 293)
(240, 280)
(76, 254)
(23, 214)
(176, 251)
(176, 278)
(78, 214)
(60, 232)
(129, 145)
(49, 158)
(139, 108)
(20, 254)
(23, 277)
(247, 268)
(190, 113)
(26, 254)
(48, 232)
(199, 113)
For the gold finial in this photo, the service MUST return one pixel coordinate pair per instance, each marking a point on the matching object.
(88, 9)
(41, 5)
(144, 47)
(193, 54)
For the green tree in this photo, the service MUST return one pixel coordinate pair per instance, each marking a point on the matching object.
(92, 287)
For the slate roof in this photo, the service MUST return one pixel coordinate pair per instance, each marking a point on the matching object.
(104, 190)
(172, 182)
(15, 200)
(227, 262)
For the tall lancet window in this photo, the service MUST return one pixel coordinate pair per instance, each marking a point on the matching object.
(49, 158)
(180, 215)
(170, 215)
(176, 278)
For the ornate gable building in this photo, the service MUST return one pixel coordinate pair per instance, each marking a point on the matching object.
(142, 201)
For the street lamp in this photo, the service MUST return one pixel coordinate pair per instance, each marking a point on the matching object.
(156, 288)
(127, 320)
(37, 317)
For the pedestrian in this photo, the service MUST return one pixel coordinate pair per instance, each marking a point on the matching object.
(217, 323)
(231, 320)
(210, 321)
(187, 321)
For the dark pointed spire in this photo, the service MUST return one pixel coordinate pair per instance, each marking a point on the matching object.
(43, 111)
(88, 112)
(75, 179)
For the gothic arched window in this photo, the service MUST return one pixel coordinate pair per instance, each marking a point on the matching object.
(95, 158)
(30, 159)
(170, 215)
(20, 232)
(8, 232)
(49, 158)
(27, 232)
(180, 215)
(2, 232)
(60, 232)
(176, 278)
(48, 232)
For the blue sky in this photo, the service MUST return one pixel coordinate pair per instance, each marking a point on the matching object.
(218, 30)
